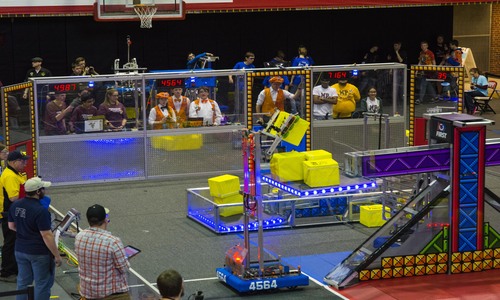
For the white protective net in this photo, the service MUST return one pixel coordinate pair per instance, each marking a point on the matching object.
(145, 13)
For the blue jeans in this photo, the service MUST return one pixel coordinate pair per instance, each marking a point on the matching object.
(40, 268)
(424, 86)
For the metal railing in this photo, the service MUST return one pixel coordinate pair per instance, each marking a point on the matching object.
(30, 291)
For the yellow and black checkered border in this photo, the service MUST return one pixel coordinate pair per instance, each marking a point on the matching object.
(411, 92)
(16, 88)
(308, 94)
(475, 261)
(434, 263)
(408, 266)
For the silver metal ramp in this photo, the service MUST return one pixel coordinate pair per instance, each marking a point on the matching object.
(402, 232)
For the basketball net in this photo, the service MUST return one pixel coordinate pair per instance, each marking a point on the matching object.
(145, 13)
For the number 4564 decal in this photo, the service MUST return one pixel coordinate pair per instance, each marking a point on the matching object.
(263, 285)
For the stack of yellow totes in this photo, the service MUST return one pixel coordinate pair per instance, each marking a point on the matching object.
(177, 142)
(320, 169)
(317, 155)
(287, 166)
(226, 189)
(371, 215)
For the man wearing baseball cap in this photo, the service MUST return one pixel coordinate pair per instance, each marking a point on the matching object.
(11, 181)
(36, 249)
(274, 97)
(36, 71)
(102, 262)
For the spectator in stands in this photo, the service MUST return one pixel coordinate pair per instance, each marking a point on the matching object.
(346, 102)
(247, 63)
(324, 97)
(198, 61)
(278, 61)
(372, 103)
(55, 115)
(449, 86)
(239, 94)
(180, 105)
(205, 108)
(76, 70)
(426, 58)
(87, 70)
(369, 77)
(274, 97)
(36, 250)
(170, 285)
(302, 60)
(85, 111)
(478, 87)
(36, 71)
(454, 58)
(397, 54)
(441, 49)
(11, 181)
(102, 262)
(162, 115)
(114, 112)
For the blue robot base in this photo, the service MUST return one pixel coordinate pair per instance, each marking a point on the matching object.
(246, 285)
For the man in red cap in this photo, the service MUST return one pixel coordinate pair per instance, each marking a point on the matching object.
(274, 97)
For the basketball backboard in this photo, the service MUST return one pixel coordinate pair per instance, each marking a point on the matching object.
(123, 10)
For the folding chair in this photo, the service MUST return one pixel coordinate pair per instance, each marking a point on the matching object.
(483, 102)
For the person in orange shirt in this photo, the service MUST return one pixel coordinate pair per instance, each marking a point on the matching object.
(161, 114)
(180, 106)
(274, 97)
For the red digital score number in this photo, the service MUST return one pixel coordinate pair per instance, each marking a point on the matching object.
(338, 75)
(65, 87)
(442, 75)
(171, 82)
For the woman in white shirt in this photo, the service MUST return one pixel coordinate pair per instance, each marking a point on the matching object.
(372, 103)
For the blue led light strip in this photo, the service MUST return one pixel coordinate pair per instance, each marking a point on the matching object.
(321, 190)
(268, 224)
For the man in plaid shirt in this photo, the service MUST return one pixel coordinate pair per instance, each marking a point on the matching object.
(102, 263)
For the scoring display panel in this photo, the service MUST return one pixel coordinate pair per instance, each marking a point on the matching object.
(170, 83)
(64, 87)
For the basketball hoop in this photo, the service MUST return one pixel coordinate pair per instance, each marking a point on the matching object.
(145, 13)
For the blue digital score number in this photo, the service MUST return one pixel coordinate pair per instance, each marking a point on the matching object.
(171, 83)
